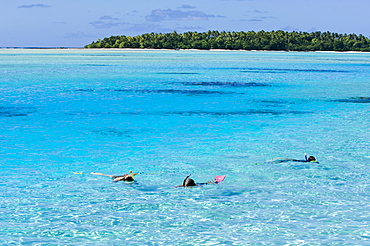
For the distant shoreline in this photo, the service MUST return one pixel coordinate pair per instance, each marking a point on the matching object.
(149, 49)
(250, 40)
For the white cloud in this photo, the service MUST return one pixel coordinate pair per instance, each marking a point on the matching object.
(290, 29)
(106, 22)
(106, 17)
(38, 5)
(186, 6)
(138, 29)
(258, 12)
(159, 15)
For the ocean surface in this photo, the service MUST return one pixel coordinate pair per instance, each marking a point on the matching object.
(168, 114)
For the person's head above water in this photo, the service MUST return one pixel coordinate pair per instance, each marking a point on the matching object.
(311, 158)
(188, 182)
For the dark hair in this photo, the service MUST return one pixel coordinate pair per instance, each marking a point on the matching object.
(188, 182)
(311, 158)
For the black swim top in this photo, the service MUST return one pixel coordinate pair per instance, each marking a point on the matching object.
(125, 177)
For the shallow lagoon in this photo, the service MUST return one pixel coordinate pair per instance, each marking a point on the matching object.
(167, 114)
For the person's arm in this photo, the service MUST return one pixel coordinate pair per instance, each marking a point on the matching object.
(102, 174)
(133, 174)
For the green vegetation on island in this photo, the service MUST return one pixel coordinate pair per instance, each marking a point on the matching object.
(262, 40)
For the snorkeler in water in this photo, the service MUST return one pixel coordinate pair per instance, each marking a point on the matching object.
(306, 159)
(188, 182)
(126, 177)
(310, 159)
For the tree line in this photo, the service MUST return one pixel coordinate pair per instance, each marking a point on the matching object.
(262, 40)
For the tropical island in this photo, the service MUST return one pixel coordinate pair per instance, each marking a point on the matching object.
(262, 40)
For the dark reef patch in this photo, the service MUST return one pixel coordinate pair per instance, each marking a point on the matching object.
(277, 102)
(174, 91)
(113, 132)
(99, 65)
(86, 90)
(190, 113)
(353, 100)
(283, 70)
(15, 111)
(160, 91)
(227, 84)
(238, 113)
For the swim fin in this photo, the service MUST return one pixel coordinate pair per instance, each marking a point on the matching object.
(219, 178)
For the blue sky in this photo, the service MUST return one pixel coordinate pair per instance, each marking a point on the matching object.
(75, 23)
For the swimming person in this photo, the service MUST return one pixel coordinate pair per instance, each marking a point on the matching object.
(190, 182)
(126, 177)
(309, 159)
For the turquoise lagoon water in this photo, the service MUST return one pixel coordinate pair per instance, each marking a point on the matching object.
(167, 114)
